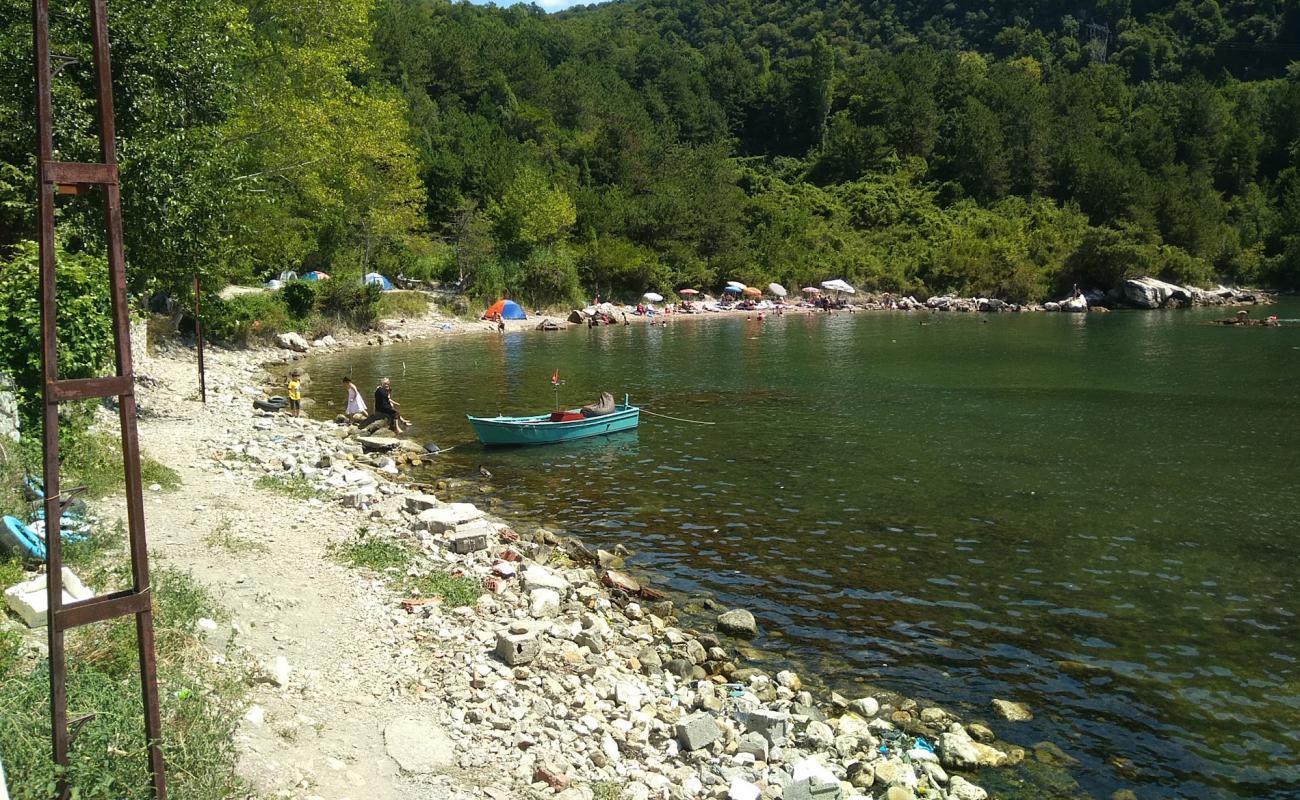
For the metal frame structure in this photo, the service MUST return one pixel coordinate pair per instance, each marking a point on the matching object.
(63, 177)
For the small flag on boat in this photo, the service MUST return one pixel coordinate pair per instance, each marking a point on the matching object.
(555, 378)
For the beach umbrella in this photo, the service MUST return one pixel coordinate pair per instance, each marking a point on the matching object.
(653, 297)
(751, 291)
(811, 290)
(777, 289)
(732, 290)
(687, 292)
(838, 285)
(736, 285)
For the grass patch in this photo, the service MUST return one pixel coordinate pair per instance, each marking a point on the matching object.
(455, 592)
(377, 554)
(402, 304)
(152, 472)
(297, 487)
(200, 707)
(223, 537)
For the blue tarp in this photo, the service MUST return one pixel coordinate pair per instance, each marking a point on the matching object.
(315, 276)
(378, 280)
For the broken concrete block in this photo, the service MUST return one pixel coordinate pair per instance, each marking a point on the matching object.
(28, 599)
(774, 726)
(463, 543)
(443, 518)
(517, 648)
(696, 731)
(753, 743)
(415, 503)
(812, 781)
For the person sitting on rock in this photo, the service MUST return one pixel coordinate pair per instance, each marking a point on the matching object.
(386, 406)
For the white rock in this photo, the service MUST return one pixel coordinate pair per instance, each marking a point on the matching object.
(543, 602)
(865, 706)
(280, 671)
(255, 716)
(741, 789)
(961, 789)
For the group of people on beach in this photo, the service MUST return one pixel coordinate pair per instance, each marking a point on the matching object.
(386, 408)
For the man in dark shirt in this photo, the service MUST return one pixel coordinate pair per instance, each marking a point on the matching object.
(386, 407)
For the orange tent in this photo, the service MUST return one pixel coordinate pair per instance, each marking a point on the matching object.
(494, 312)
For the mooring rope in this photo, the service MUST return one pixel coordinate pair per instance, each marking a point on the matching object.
(677, 419)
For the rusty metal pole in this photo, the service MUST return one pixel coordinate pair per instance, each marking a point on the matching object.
(64, 177)
(198, 334)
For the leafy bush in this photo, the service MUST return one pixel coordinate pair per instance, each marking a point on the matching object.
(350, 300)
(300, 298)
(84, 326)
(245, 317)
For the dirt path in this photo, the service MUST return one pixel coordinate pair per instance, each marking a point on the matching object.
(352, 666)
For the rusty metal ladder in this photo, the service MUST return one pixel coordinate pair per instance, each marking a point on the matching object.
(62, 177)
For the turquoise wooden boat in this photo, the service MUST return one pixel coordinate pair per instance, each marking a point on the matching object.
(554, 428)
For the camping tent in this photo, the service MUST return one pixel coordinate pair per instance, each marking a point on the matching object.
(505, 309)
(378, 280)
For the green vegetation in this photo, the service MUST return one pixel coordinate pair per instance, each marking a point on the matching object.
(200, 701)
(296, 487)
(375, 554)
(200, 707)
(1005, 149)
(224, 537)
(402, 305)
(455, 591)
(383, 555)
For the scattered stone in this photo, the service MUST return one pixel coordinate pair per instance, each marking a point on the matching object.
(1012, 711)
(696, 731)
(961, 789)
(292, 341)
(543, 602)
(866, 706)
(738, 622)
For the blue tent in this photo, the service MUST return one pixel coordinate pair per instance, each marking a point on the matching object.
(378, 280)
(315, 275)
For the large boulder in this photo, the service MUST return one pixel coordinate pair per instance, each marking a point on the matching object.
(1076, 304)
(738, 622)
(1147, 292)
(292, 341)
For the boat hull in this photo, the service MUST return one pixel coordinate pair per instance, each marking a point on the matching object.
(514, 431)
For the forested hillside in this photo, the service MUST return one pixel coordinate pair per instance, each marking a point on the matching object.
(1011, 149)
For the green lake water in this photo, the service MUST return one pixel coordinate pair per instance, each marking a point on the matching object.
(1092, 514)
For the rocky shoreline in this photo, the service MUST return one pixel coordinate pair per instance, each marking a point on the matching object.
(573, 677)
